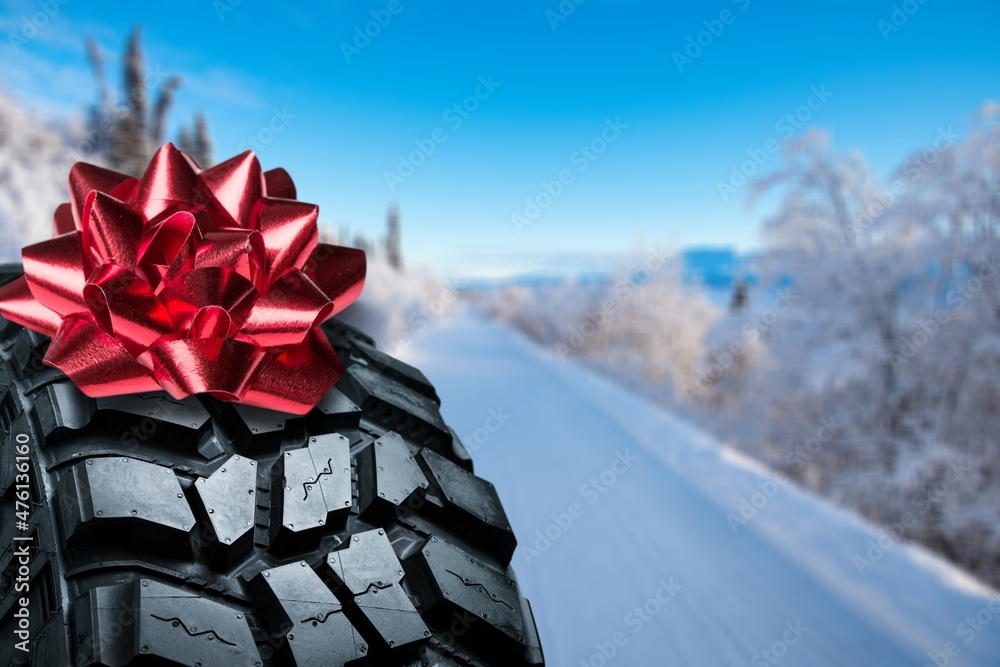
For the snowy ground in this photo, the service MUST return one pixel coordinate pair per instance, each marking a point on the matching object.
(631, 547)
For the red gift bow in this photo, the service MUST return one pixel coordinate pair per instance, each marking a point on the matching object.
(189, 280)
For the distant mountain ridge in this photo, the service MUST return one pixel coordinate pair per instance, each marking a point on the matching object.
(715, 267)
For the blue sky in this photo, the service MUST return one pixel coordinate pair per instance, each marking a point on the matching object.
(347, 119)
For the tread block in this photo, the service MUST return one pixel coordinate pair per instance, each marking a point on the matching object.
(230, 498)
(102, 490)
(461, 454)
(342, 335)
(472, 503)
(147, 619)
(60, 405)
(533, 655)
(471, 585)
(10, 568)
(396, 406)
(400, 371)
(15, 421)
(389, 475)
(10, 407)
(33, 369)
(24, 356)
(440, 655)
(49, 646)
(316, 483)
(256, 428)
(368, 569)
(188, 413)
(334, 411)
(157, 419)
(300, 609)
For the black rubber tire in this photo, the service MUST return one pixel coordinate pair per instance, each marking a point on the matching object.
(203, 533)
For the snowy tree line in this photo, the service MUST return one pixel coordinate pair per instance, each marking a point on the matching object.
(126, 131)
(120, 131)
(876, 305)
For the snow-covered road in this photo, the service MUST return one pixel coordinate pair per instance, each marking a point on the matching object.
(632, 546)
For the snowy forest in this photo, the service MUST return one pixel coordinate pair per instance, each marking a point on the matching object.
(859, 353)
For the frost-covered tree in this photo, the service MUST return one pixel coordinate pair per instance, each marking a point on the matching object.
(643, 325)
(393, 245)
(125, 132)
(32, 158)
(202, 141)
(829, 235)
(896, 334)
